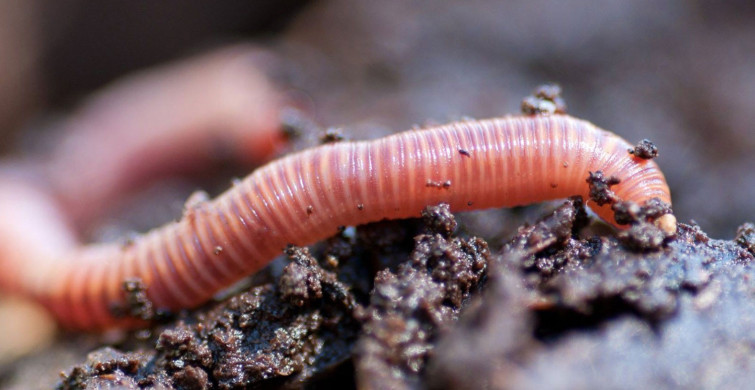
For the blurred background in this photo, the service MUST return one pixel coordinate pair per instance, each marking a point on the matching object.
(677, 72)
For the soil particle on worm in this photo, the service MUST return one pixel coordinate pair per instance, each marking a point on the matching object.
(627, 212)
(137, 304)
(332, 135)
(600, 188)
(642, 234)
(645, 149)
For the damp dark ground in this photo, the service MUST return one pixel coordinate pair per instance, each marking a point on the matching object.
(501, 301)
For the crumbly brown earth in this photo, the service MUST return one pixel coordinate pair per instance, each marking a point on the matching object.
(287, 333)
(556, 307)
(411, 307)
(746, 237)
(590, 314)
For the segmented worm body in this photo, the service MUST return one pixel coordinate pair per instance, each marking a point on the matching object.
(161, 121)
(306, 196)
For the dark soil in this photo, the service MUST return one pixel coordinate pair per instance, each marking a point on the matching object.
(502, 300)
(645, 149)
(554, 308)
(592, 314)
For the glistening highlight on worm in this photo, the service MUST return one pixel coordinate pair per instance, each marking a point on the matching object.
(306, 196)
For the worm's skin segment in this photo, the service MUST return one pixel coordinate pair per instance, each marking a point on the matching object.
(165, 120)
(306, 196)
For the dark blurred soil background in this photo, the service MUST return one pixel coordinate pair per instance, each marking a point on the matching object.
(678, 72)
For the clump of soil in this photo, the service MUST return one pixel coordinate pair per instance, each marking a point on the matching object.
(291, 332)
(410, 307)
(304, 327)
(645, 150)
(563, 311)
(643, 233)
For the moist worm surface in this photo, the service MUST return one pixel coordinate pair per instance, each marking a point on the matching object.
(306, 196)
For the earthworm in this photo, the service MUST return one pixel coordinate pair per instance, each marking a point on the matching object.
(163, 120)
(306, 196)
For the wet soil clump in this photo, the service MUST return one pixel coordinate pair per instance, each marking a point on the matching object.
(411, 307)
(566, 312)
(645, 150)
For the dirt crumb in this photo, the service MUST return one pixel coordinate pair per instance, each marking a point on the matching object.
(628, 212)
(655, 208)
(137, 304)
(301, 279)
(332, 135)
(106, 368)
(304, 281)
(746, 237)
(642, 236)
(645, 149)
(558, 227)
(545, 100)
(644, 233)
(600, 188)
(191, 378)
(439, 219)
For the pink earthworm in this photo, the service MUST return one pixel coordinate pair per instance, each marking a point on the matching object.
(305, 197)
(172, 118)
